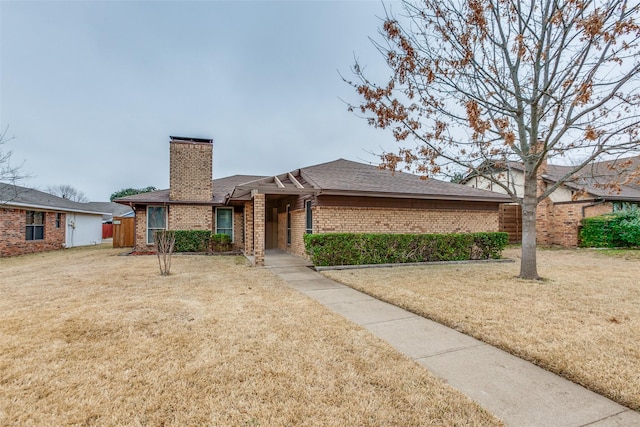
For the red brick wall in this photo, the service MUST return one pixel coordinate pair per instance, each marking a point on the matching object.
(13, 232)
(566, 219)
(545, 222)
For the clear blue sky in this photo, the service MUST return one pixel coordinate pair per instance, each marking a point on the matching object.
(92, 90)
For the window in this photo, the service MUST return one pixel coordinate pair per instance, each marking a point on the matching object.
(288, 224)
(624, 206)
(224, 221)
(307, 208)
(35, 225)
(156, 220)
(58, 219)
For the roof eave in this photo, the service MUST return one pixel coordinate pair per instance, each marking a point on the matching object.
(49, 208)
(167, 202)
(497, 199)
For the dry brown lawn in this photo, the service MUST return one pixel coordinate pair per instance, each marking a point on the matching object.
(583, 322)
(92, 338)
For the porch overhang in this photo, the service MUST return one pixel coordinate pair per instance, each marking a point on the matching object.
(290, 183)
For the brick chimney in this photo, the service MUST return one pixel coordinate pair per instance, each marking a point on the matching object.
(191, 169)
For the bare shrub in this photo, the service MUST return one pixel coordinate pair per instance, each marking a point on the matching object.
(165, 241)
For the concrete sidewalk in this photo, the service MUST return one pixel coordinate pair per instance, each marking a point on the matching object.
(518, 392)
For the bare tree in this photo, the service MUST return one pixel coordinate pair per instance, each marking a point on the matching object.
(478, 83)
(67, 192)
(9, 174)
(164, 242)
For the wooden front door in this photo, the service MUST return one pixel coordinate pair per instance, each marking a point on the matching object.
(271, 229)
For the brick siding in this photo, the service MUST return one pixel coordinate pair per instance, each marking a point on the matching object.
(190, 171)
(374, 220)
(298, 228)
(380, 220)
(248, 228)
(190, 217)
(238, 230)
(560, 225)
(13, 231)
(141, 230)
(258, 228)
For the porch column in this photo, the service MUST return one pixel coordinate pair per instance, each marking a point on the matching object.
(248, 228)
(258, 228)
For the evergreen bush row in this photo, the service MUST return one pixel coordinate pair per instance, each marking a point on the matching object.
(616, 230)
(359, 249)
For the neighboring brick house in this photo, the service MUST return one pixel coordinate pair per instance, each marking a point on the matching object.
(34, 221)
(275, 212)
(602, 187)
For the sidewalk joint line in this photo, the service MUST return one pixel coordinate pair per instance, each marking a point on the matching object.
(390, 320)
(453, 350)
(606, 418)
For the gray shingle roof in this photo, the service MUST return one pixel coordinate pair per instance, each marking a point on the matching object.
(113, 209)
(336, 177)
(224, 186)
(221, 188)
(17, 196)
(348, 176)
(594, 178)
(159, 196)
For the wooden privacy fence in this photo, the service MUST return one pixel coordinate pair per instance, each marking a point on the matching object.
(107, 231)
(123, 232)
(511, 222)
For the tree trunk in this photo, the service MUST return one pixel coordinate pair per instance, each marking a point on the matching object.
(528, 261)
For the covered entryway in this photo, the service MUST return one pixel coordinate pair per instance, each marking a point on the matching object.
(267, 205)
(271, 226)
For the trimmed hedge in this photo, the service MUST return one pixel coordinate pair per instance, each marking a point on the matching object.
(220, 242)
(359, 249)
(616, 230)
(192, 240)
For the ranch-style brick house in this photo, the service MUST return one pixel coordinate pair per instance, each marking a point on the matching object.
(35, 221)
(587, 193)
(274, 212)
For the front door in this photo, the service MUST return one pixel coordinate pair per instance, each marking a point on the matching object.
(271, 229)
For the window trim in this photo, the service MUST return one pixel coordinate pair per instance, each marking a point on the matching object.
(308, 217)
(33, 226)
(166, 214)
(232, 222)
(58, 219)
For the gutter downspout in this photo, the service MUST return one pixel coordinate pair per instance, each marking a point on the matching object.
(600, 202)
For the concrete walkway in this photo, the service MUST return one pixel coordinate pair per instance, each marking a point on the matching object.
(518, 392)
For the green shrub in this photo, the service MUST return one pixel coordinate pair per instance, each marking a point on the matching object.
(358, 249)
(616, 230)
(629, 231)
(192, 240)
(220, 242)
